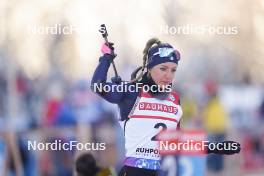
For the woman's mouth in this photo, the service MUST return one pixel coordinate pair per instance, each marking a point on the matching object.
(165, 82)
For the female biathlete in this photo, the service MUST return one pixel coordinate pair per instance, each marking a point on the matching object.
(147, 106)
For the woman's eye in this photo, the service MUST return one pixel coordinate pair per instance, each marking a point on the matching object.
(162, 69)
(173, 71)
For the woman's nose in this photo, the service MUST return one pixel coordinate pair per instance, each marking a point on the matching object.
(168, 75)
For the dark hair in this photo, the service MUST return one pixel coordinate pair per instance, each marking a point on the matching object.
(151, 43)
(86, 165)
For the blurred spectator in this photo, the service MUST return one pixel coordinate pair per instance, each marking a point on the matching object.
(215, 124)
(190, 114)
(87, 166)
(3, 156)
(53, 104)
(261, 110)
(3, 93)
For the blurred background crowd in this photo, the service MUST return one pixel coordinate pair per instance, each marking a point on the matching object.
(45, 77)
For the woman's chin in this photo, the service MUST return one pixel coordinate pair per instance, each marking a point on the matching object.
(163, 86)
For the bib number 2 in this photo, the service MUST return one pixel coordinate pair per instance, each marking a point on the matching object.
(157, 126)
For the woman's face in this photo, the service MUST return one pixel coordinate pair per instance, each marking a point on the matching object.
(163, 74)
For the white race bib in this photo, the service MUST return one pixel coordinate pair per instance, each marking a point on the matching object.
(148, 117)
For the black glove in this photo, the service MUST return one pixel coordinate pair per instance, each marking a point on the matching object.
(111, 46)
(224, 148)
